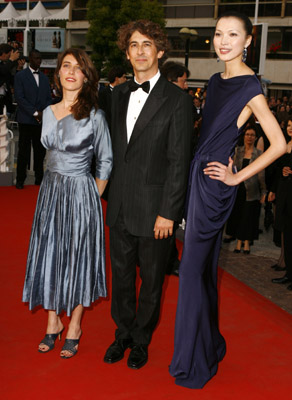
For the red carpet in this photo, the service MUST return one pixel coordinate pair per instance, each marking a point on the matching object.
(258, 364)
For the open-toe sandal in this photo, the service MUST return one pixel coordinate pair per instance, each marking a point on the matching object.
(70, 346)
(49, 340)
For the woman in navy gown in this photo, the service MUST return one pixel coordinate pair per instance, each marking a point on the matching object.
(66, 258)
(232, 97)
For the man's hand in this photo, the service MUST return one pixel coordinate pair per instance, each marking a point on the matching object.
(163, 228)
(39, 117)
(271, 196)
(286, 171)
(20, 64)
(14, 55)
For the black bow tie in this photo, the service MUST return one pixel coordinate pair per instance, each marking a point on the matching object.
(135, 86)
(36, 72)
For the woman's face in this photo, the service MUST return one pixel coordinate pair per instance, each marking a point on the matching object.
(230, 38)
(289, 128)
(249, 137)
(71, 75)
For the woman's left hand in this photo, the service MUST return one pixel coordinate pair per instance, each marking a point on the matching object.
(221, 172)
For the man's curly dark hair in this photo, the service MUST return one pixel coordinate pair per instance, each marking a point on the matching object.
(147, 28)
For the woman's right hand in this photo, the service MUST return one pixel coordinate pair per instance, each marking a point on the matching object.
(286, 171)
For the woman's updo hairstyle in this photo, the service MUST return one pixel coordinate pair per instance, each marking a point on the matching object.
(243, 18)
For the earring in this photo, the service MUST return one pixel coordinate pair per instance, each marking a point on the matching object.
(244, 55)
(85, 80)
(218, 59)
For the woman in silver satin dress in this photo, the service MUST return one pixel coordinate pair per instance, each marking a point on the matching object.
(66, 258)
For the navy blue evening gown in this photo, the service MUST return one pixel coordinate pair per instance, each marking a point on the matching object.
(199, 345)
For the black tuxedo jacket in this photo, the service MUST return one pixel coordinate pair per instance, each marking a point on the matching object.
(29, 96)
(105, 103)
(150, 173)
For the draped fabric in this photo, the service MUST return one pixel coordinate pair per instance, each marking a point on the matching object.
(66, 258)
(199, 345)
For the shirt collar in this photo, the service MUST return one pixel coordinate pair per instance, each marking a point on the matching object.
(33, 70)
(152, 80)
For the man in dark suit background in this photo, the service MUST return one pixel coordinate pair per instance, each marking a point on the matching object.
(151, 136)
(33, 94)
(116, 76)
(178, 74)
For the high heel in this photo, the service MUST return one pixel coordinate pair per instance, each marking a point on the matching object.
(70, 346)
(246, 251)
(49, 340)
(236, 251)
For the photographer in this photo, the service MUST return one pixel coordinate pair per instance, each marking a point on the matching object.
(8, 60)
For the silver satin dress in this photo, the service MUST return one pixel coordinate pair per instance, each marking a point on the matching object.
(66, 257)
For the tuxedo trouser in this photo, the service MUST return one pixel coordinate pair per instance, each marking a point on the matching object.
(287, 238)
(136, 321)
(30, 134)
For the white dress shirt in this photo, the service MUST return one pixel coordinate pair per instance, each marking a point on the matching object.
(36, 76)
(136, 103)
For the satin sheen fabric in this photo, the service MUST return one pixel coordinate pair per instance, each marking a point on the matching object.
(66, 258)
(199, 345)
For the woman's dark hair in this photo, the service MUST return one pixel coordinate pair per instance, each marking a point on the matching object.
(251, 128)
(87, 97)
(147, 28)
(287, 137)
(243, 18)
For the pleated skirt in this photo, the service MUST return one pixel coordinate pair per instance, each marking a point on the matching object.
(66, 257)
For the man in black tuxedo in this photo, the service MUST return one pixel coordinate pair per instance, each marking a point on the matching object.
(33, 94)
(197, 109)
(151, 136)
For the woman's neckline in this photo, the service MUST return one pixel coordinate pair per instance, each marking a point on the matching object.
(233, 77)
(56, 117)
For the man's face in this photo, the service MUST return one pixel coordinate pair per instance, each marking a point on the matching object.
(197, 102)
(121, 79)
(35, 61)
(143, 55)
(5, 56)
(182, 81)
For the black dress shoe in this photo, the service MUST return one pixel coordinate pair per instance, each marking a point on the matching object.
(38, 181)
(173, 267)
(116, 350)
(19, 185)
(289, 287)
(138, 356)
(277, 268)
(282, 280)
